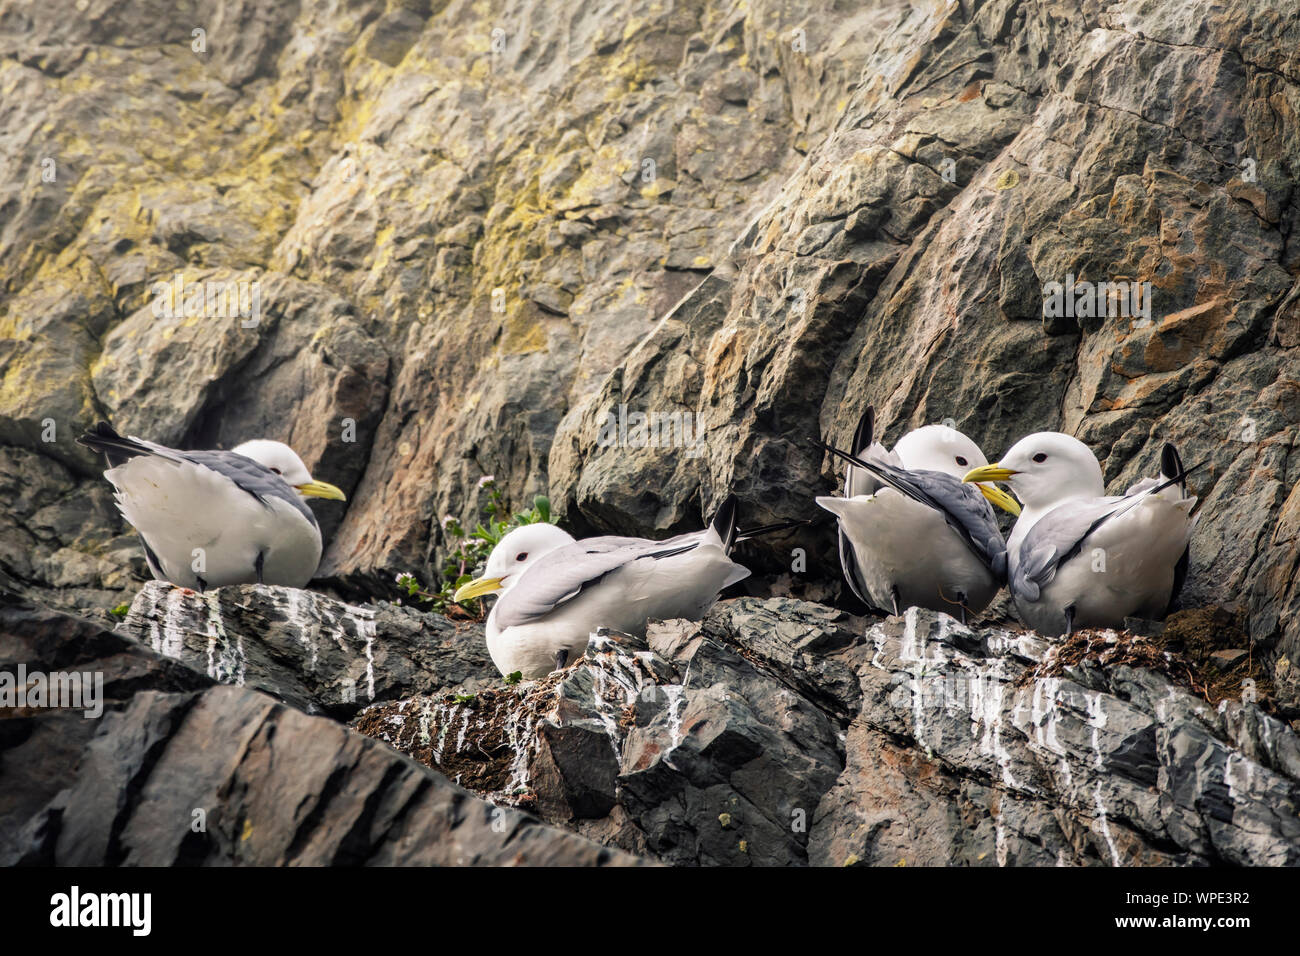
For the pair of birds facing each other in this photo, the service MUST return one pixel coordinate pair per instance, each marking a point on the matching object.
(916, 529)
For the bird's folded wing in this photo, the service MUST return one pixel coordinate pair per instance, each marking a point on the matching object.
(250, 476)
(852, 573)
(963, 508)
(1058, 537)
(565, 572)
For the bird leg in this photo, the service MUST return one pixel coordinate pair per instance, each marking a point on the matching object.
(893, 593)
(203, 585)
(561, 658)
(259, 565)
(1069, 620)
(961, 603)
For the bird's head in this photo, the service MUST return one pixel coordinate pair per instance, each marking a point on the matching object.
(940, 448)
(1046, 468)
(284, 461)
(514, 554)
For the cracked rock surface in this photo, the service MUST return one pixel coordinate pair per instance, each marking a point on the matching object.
(179, 770)
(775, 732)
(475, 231)
(780, 732)
(470, 251)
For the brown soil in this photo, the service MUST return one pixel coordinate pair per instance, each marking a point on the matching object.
(484, 763)
(1182, 652)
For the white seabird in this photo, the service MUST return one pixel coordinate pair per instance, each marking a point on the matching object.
(555, 591)
(1077, 558)
(212, 518)
(911, 533)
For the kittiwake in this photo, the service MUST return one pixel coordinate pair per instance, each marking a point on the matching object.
(911, 534)
(1077, 558)
(212, 518)
(555, 591)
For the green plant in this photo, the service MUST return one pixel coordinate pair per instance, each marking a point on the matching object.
(514, 677)
(120, 611)
(470, 549)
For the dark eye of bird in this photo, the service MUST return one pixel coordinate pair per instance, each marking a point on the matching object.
(1040, 457)
(961, 461)
(522, 556)
(276, 470)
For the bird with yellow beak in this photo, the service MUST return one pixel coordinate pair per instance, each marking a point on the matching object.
(1079, 558)
(212, 518)
(911, 534)
(555, 591)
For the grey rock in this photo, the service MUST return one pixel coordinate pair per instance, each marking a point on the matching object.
(780, 732)
(314, 653)
(178, 771)
(466, 262)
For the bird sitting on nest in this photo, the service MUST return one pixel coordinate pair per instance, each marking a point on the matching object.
(555, 591)
(911, 533)
(1079, 558)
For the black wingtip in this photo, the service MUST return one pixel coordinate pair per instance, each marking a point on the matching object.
(840, 453)
(1179, 477)
(866, 431)
(114, 447)
(745, 534)
(1171, 464)
(724, 521)
(102, 431)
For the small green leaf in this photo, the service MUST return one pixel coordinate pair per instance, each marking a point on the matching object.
(119, 612)
(514, 677)
(543, 506)
(465, 698)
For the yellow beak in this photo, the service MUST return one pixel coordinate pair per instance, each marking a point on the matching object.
(997, 496)
(321, 489)
(993, 472)
(477, 589)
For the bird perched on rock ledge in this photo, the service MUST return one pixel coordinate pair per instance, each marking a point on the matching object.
(556, 591)
(911, 533)
(212, 518)
(1078, 558)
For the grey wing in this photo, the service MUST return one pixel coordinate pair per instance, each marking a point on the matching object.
(565, 572)
(1058, 537)
(963, 507)
(973, 511)
(250, 476)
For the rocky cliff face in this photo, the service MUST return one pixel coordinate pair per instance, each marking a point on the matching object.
(448, 239)
(776, 732)
(179, 770)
